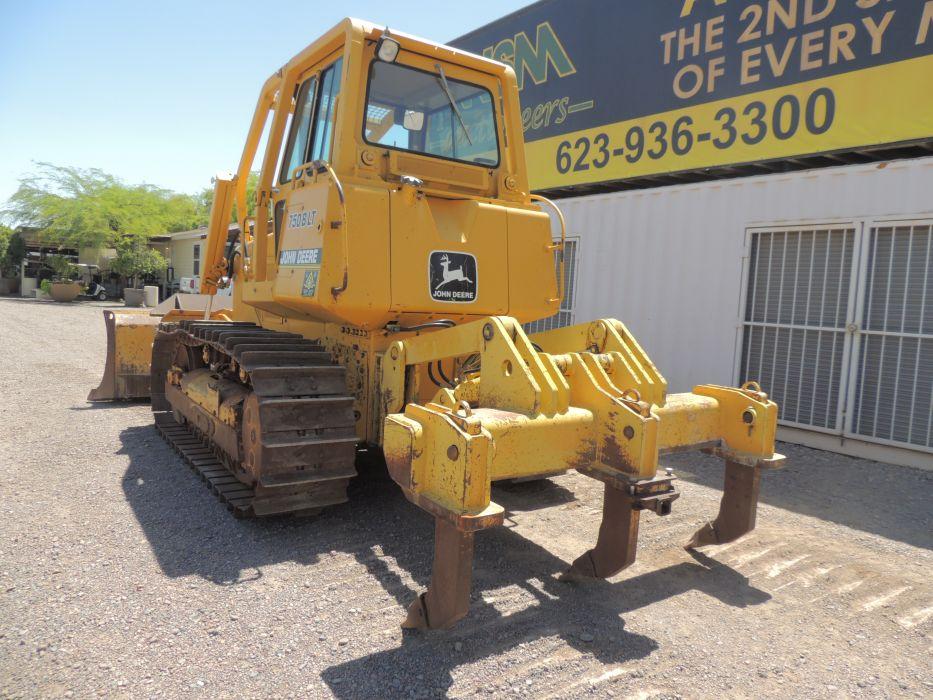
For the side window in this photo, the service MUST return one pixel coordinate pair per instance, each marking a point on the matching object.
(196, 267)
(277, 219)
(324, 123)
(297, 145)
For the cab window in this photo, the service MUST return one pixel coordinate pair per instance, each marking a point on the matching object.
(324, 127)
(430, 113)
(297, 145)
(312, 130)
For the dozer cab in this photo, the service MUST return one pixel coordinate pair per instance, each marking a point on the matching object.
(378, 298)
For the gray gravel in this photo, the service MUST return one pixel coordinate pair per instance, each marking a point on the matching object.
(120, 575)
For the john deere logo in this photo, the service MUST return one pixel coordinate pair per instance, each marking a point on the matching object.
(452, 276)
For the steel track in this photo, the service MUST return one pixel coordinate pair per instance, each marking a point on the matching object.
(300, 441)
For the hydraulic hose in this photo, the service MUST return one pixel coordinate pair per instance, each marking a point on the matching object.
(440, 323)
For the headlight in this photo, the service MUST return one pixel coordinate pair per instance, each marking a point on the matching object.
(387, 49)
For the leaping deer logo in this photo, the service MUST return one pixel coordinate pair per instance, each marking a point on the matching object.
(455, 275)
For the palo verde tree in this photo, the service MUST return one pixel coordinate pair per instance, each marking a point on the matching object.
(90, 208)
(206, 198)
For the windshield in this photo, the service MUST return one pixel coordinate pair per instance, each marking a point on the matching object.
(430, 113)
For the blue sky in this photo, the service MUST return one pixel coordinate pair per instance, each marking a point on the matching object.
(162, 91)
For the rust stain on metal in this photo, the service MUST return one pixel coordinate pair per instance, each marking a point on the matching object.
(617, 455)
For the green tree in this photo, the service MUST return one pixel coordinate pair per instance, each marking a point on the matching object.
(136, 259)
(12, 251)
(90, 208)
(206, 198)
(6, 233)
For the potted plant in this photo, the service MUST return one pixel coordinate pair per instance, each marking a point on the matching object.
(136, 259)
(64, 287)
(43, 292)
(12, 252)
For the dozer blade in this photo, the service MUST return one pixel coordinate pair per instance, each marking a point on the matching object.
(129, 350)
(191, 306)
(130, 334)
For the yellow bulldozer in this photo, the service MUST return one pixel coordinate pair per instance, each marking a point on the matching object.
(378, 297)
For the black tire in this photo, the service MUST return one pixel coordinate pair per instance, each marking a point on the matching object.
(102, 295)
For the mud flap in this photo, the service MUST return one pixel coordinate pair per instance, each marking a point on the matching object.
(447, 599)
(737, 510)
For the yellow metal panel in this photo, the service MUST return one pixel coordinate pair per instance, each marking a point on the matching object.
(530, 446)
(442, 453)
(212, 255)
(306, 239)
(688, 420)
(532, 281)
(747, 419)
(134, 334)
(424, 224)
(439, 172)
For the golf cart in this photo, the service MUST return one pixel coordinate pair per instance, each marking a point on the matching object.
(90, 276)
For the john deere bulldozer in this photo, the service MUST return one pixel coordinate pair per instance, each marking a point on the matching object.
(379, 294)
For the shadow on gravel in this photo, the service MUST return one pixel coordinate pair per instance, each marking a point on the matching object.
(105, 405)
(587, 617)
(882, 499)
(191, 533)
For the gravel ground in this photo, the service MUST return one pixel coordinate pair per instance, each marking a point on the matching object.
(121, 575)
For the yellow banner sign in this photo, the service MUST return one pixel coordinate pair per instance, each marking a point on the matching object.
(878, 105)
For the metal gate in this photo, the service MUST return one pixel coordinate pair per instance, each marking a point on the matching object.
(838, 327)
(892, 375)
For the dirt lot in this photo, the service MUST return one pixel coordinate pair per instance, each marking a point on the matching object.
(121, 575)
